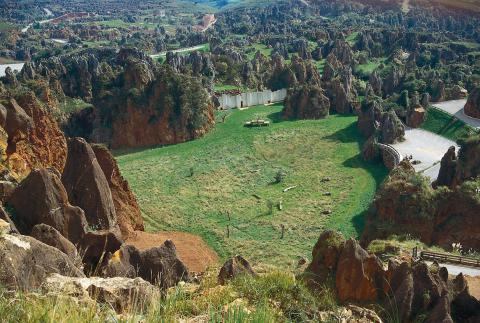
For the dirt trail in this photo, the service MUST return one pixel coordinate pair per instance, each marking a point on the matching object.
(474, 286)
(191, 249)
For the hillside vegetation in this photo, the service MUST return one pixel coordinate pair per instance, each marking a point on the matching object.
(228, 186)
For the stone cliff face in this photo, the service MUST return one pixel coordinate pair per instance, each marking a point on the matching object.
(171, 110)
(31, 137)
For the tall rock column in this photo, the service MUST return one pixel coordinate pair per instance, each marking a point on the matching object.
(87, 186)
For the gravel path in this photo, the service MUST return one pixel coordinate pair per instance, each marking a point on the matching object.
(426, 147)
(455, 108)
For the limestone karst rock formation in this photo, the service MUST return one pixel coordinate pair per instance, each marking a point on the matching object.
(306, 102)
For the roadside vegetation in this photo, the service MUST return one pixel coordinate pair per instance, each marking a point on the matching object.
(224, 188)
(446, 125)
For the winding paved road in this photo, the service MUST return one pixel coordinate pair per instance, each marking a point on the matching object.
(426, 147)
(455, 108)
(456, 269)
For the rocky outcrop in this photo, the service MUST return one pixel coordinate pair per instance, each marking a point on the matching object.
(392, 128)
(465, 307)
(448, 168)
(359, 275)
(306, 102)
(468, 163)
(5, 217)
(87, 186)
(416, 116)
(325, 256)
(96, 246)
(342, 51)
(234, 267)
(472, 107)
(50, 236)
(128, 213)
(409, 290)
(406, 202)
(158, 265)
(165, 116)
(370, 150)
(45, 145)
(122, 294)
(50, 205)
(25, 262)
(34, 140)
(369, 118)
(340, 91)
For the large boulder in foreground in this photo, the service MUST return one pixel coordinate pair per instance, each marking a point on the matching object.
(50, 205)
(159, 265)
(325, 255)
(96, 245)
(52, 237)
(87, 186)
(359, 275)
(126, 206)
(306, 102)
(472, 107)
(26, 262)
(122, 294)
(234, 267)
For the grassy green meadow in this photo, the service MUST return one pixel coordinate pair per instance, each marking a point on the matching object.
(225, 182)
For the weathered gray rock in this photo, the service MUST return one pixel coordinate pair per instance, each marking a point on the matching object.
(50, 236)
(26, 262)
(50, 205)
(122, 294)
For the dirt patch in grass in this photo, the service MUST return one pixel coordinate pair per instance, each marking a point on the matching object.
(191, 249)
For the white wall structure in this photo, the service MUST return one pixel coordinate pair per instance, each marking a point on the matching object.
(249, 99)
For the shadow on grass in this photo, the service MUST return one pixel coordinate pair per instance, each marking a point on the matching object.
(276, 117)
(347, 134)
(378, 171)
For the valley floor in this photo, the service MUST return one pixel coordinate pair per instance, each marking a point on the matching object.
(222, 188)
